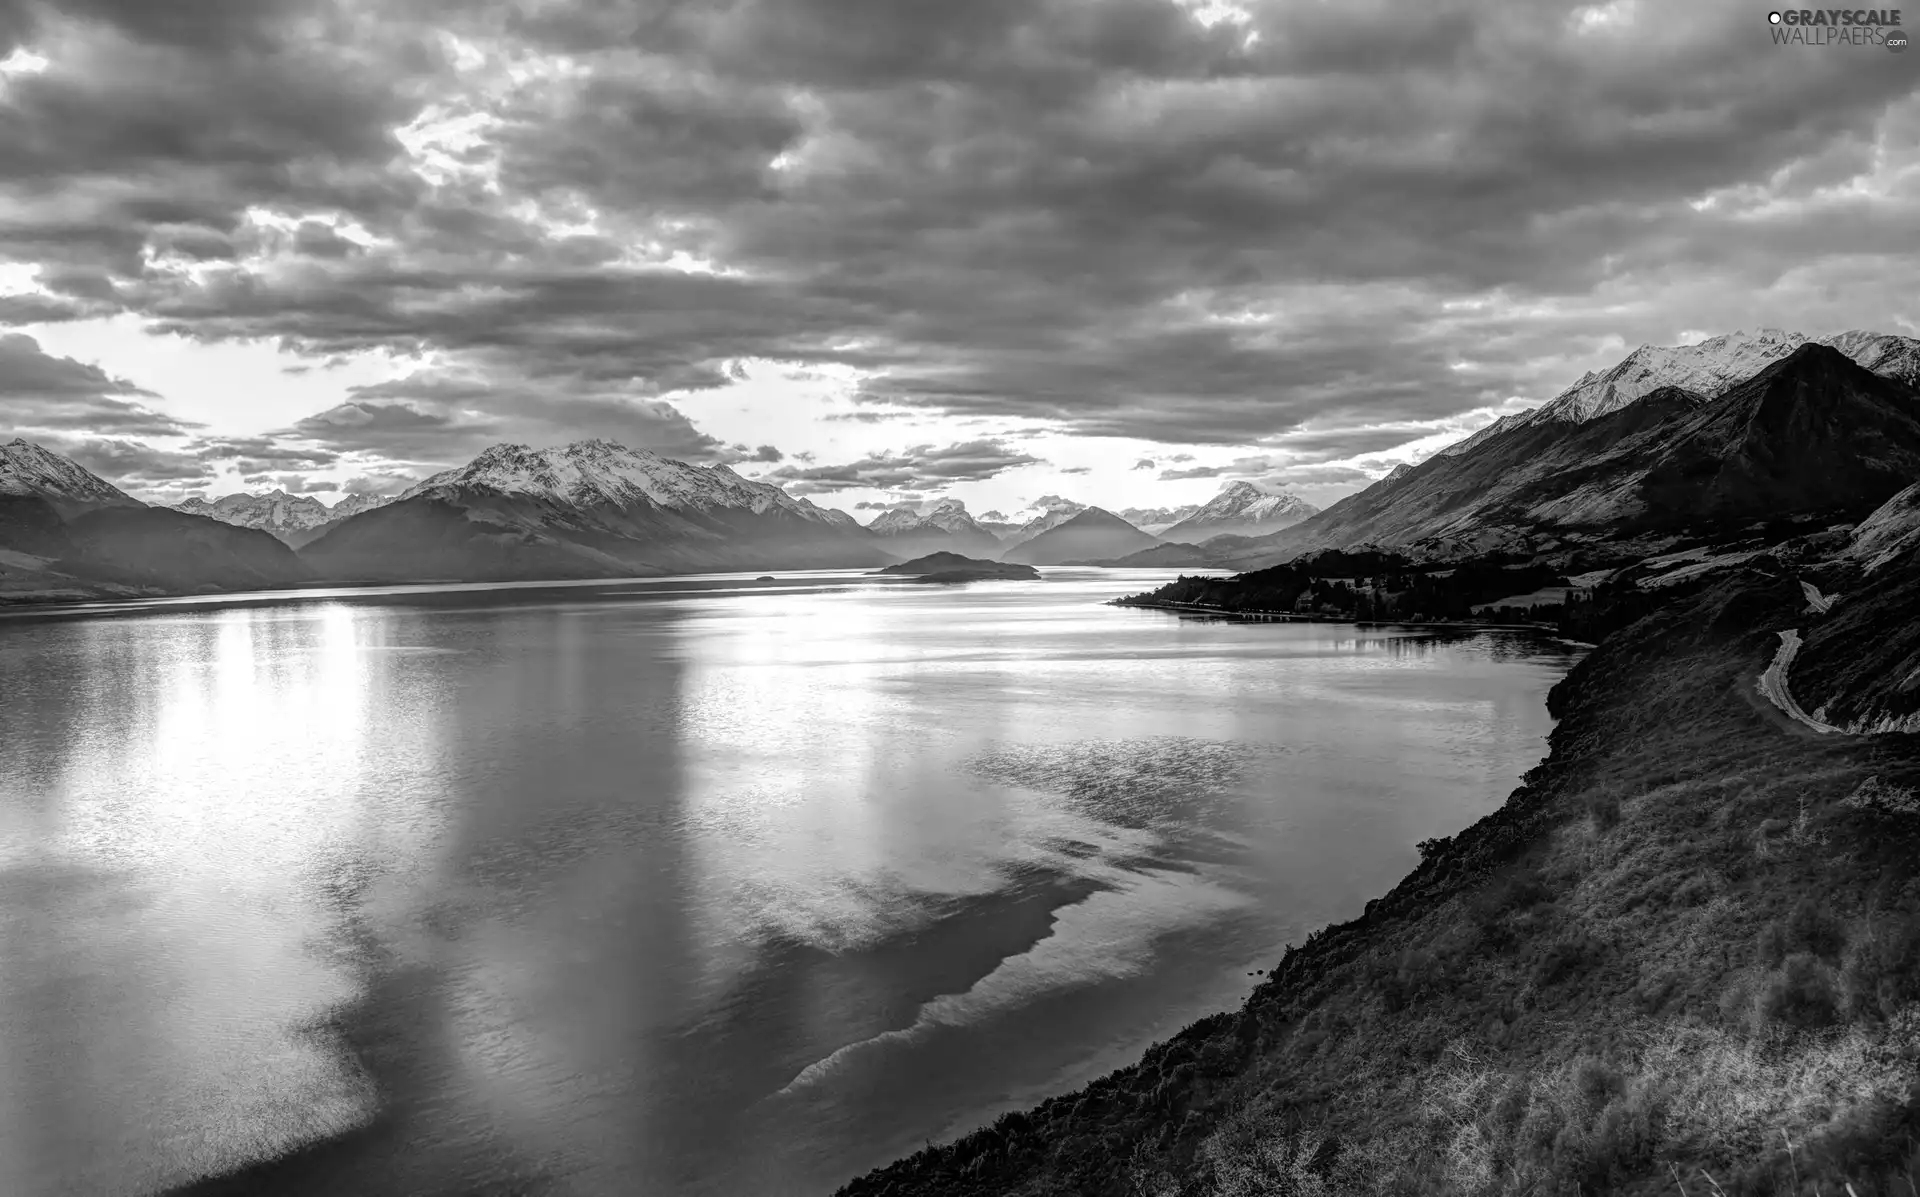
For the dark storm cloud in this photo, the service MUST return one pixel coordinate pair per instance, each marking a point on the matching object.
(134, 465)
(31, 308)
(922, 467)
(445, 418)
(263, 454)
(395, 430)
(40, 390)
(1097, 213)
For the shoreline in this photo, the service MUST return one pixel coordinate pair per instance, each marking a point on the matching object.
(1180, 608)
(1523, 950)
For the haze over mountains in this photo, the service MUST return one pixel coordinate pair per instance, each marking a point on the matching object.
(1670, 438)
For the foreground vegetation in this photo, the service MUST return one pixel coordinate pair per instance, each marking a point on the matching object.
(1683, 957)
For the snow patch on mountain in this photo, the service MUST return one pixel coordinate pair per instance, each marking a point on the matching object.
(1242, 508)
(1710, 368)
(276, 511)
(353, 505)
(1155, 520)
(28, 469)
(599, 472)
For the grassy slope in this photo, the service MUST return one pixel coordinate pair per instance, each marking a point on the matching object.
(1674, 952)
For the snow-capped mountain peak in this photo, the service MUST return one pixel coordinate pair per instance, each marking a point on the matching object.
(1155, 520)
(599, 472)
(277, 511)
(28, 469)
(1246, 501)
(1710, 367)
(1244, 509)
(1886, 354)
(353, 505)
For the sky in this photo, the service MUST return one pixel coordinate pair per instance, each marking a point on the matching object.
(1124, 251)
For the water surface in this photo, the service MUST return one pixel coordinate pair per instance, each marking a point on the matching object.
(696, 886)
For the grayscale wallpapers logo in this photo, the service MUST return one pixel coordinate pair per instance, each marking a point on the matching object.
(1838, 27)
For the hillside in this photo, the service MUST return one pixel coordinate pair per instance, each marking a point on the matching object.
(175, 552)
(1687, 947)
(1162, 556)
(952, 567)
(30, 470)
(1812, 433)
(67, 535)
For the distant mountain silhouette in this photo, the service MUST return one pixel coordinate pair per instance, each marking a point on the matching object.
(1089, 535)
(943, 527)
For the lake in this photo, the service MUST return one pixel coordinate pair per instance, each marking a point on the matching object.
(698, 886)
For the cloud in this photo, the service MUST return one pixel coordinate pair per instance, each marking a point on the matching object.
(1145, 463)
(1194, 472)
(1056, 503)
(1315, 475)
(60, 394)
(395, 430)
(865, 416)
(921, 467)
(383, 483)
(133, 465)
(293, 484)
(261, 454)
(1110, 217)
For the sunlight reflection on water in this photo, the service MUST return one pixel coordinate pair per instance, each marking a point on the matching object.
(685, 885)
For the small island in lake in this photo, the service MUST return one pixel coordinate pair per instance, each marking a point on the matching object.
(952, 567)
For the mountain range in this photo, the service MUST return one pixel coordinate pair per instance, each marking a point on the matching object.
(945, 526)
(1242, 509)
(1155, 521)
(1671, 441)
(590, 509)
(291, 519)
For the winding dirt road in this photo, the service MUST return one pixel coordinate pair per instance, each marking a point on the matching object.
(1773, 684)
